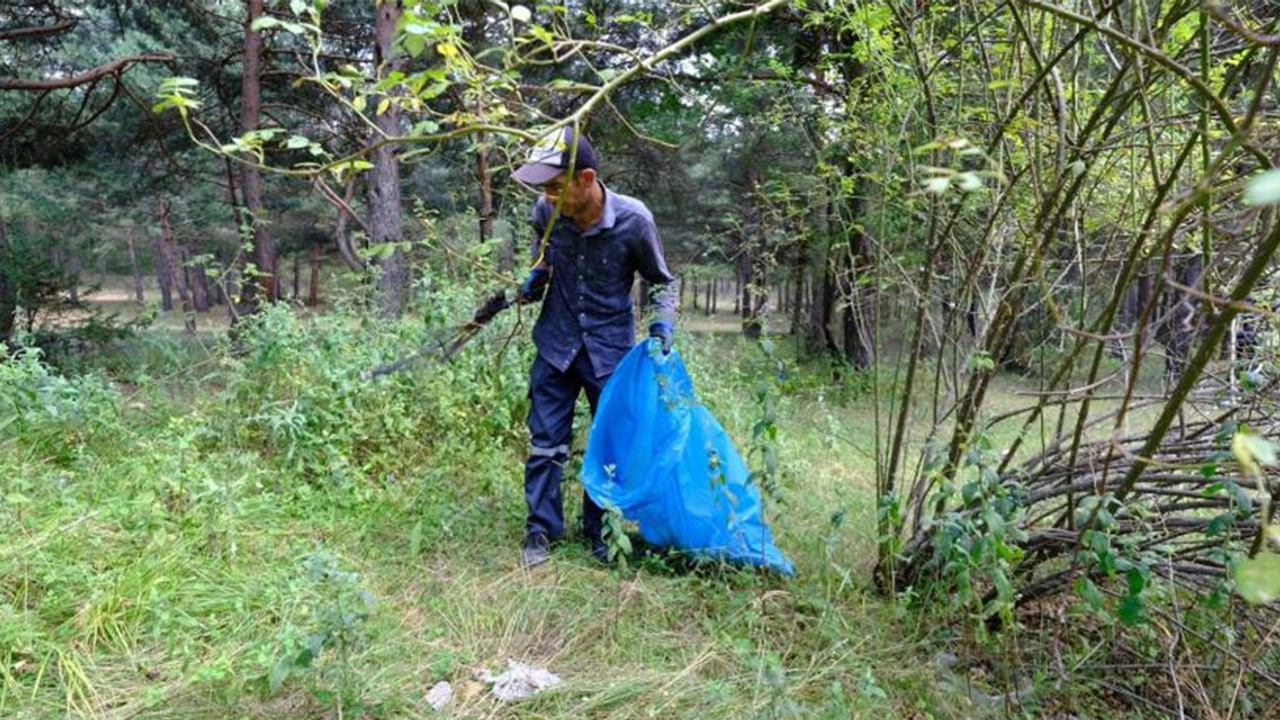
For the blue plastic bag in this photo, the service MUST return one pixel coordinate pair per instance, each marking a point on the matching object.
(660, 458)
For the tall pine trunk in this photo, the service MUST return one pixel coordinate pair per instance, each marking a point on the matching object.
(250, 179)
(313, 287)
(197, 278)
(384, 220)
(859, 291)
(164, 274)
(139, 292)
(8, 285)
(172, 260)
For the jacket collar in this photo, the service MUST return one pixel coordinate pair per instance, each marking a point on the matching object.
(608, 216)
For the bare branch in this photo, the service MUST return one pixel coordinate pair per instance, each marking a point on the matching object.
(88, 76)
(36, 30)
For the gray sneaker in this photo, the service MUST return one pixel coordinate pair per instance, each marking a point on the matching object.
(535, 551)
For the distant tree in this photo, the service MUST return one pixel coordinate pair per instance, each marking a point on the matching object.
(386, 229)
(267, 285)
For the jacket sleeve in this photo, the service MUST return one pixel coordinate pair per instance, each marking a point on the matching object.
(538, 218)
(652, 264)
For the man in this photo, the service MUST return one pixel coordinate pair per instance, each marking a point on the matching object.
(597, 243)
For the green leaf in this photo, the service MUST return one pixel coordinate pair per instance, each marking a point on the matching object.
(415, 539)
(1258, 578)
(937, 186)
(298, 6)
(969, 182)
(1090, 593)
(264, 23)
(420, 28)
(1263, 189)
(1130, 610)
(1252, 450)
(1136, 581)
(520, 13)
(426, 127)
(414, 45)
(279, 673)
(1219, 525)
(297, 142)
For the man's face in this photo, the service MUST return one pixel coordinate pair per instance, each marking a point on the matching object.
(576, 190)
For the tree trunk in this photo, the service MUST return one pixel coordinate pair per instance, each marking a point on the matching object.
(313, 287)
(346, 249)
(485, 180)
(749, 305)
(797, 299)
(297, 275)
(197, 278)
(225, 293)
(164, 274)
(73, 272)
(384, 178)
(737, 289)
(8, 285)
(250, 180)
(859, 291)
(1183, 320)
(822, 287)
(713, 295)
(139, 293)
(177, 276)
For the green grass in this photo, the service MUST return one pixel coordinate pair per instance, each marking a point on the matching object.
(161, 550)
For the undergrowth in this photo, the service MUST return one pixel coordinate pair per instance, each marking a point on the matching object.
(210, 530)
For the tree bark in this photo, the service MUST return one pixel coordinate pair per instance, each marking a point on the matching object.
(797, 298)
(347, 250)
(197, 278)
(226, 292)
(72, 259)
(384, 178)
(8, 284)
(112, 68)
(313, 286)
(164, 274)
(748, 307)
(859, 315)
(171, 258)
(139, 293)
(822, 289)
(250, 179)
(484, 179)
(297, 276)
(737, 288)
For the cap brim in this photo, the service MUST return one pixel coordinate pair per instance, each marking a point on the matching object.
(536, 173)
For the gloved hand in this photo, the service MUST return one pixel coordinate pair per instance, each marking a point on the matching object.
(662, 331)
(534, 286)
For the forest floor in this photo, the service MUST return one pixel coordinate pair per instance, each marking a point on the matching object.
(135, 586)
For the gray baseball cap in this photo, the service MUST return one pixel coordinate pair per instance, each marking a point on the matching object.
(552, 154)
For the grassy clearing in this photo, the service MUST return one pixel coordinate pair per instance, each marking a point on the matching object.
(258, 536)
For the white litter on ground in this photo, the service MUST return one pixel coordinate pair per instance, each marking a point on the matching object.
(439, 695)
(520, 681)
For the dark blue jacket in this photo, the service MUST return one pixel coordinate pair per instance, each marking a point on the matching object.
(588, 299)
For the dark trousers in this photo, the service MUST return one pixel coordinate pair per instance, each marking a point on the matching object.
(552, 395)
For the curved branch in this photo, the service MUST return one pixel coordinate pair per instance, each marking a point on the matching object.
(1240, 28)
(37, 30)
(88, 76)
